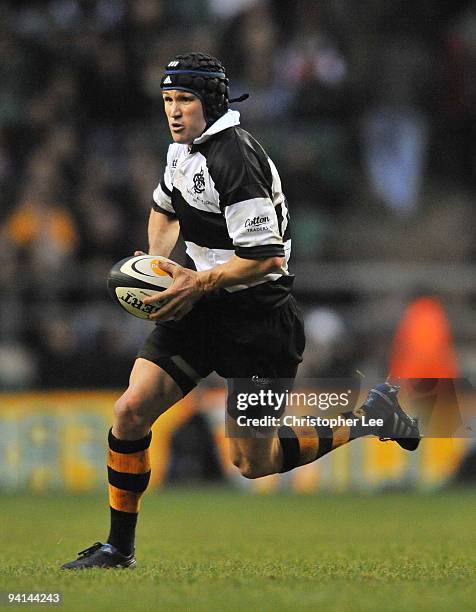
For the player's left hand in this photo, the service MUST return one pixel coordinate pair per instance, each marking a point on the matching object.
(180, 297)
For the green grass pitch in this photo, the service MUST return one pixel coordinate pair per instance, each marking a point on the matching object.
(219, 549)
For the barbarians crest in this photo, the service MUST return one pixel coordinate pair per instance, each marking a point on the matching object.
(199, 182)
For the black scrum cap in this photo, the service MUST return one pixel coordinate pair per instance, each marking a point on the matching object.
(204, 76)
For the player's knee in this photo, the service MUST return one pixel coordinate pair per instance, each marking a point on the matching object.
(251, 470)
(248, 468)
(130, 412)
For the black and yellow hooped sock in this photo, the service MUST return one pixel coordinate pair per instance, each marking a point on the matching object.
(304, 444)
(128, 469)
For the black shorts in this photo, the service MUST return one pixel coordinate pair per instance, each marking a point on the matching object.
(237, 345)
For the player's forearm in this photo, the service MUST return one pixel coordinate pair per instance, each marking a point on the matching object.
(239, 271)
(163, 233)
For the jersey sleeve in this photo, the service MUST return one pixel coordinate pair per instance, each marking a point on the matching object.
(162, 196)
(253, 226)
(245, 187)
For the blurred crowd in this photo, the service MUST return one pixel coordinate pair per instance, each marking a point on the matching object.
(368, 110)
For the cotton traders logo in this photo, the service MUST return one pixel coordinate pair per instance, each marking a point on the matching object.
(257, 224)
(199, 182)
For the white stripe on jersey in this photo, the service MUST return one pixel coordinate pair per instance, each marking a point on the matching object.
(162, 199)
(278, 195)
(206, 258)
(203, 196)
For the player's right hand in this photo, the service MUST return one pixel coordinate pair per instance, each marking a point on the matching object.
(180, 297)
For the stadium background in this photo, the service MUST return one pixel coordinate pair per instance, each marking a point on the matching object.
(368, 109)
(369, 113)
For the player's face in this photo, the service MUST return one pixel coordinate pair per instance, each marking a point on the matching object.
(185, 115)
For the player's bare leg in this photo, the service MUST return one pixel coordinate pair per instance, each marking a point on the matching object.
(150, 393)
(286, 448)
(254, 457)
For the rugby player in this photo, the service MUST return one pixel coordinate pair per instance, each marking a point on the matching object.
(234, 314)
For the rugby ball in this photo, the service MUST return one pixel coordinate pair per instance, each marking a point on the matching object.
(133, 278)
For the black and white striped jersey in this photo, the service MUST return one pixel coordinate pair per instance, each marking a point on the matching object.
(226, 193)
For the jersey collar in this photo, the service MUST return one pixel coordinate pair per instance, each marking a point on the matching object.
(229, 119)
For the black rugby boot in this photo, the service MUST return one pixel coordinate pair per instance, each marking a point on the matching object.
(382, 402)
(100, 555)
